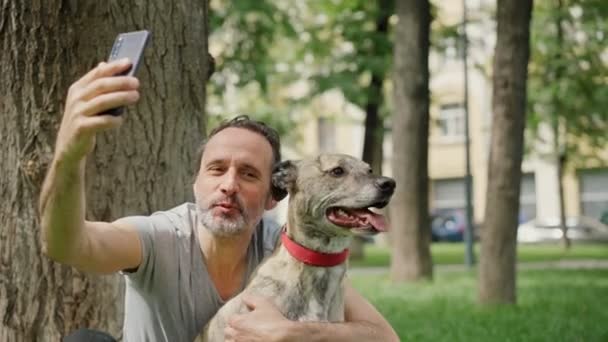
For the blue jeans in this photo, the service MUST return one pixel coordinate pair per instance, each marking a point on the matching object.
(83, 334)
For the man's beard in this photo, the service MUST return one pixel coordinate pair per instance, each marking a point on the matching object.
(222, 225)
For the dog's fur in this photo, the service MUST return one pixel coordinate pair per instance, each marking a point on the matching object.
(302, 292)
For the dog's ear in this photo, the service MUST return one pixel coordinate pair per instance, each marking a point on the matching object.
(284, 176)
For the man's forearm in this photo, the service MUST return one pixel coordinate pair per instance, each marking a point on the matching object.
(62, 208)
(347, 331)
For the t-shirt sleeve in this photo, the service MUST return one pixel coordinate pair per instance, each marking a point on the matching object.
(272, 231)
(154, 236)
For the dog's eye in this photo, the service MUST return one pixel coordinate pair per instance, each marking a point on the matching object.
(337, 171)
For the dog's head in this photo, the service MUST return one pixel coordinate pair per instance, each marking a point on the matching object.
(333, 194)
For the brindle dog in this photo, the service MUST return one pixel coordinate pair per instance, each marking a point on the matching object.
(330, 200)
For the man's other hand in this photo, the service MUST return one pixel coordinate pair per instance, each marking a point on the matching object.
(263, 323)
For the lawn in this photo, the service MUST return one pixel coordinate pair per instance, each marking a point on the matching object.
(453, 253)
(553, 305)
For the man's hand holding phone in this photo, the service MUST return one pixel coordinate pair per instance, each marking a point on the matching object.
(96, 92)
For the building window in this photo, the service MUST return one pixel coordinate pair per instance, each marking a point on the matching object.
(451, 121)
(327, 135)
(594, 194)
(527, 198)
(449, 194)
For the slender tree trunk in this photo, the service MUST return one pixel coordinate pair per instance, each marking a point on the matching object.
(558, 144)
(498, 244)
(373, 152)
(561, 161)
(374, 126)
(411, 257)
(44, 47)
(374, 123)
(372, 146)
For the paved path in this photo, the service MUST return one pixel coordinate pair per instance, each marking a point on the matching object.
(558, 264)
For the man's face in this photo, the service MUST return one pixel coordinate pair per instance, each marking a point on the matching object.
(232, 188)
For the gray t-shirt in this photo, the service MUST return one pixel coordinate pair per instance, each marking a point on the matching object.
(170, 297)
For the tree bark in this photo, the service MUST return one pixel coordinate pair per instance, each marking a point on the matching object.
(498, 244)
(44, 47)
(373, 151)
(411, 257)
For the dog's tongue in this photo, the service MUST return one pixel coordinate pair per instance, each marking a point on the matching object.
(376, 220)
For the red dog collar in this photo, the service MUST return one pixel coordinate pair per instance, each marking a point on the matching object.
(310, 257)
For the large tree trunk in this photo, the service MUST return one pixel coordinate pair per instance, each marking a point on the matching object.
(373, 152)
(411, 256)
(498, 243)
(44, 47)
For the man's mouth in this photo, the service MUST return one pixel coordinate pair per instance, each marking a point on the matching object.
(359, 218)
(227, 206)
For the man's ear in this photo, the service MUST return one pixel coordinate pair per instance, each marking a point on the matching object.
(284, 177)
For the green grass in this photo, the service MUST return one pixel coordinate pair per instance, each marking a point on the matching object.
(553, 305)
(453, 253)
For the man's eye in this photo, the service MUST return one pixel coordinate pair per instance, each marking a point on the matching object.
(250, 175)
(215, 169)
(337, 171)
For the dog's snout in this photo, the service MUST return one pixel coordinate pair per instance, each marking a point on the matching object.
(385, 184)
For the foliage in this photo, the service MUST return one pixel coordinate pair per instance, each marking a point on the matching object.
(568, 73)
(269, 45)
(266, 46)
(247, 41)
(553, 305)
(349, 48)
(248, 30)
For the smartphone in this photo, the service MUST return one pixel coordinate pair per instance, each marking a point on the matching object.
(130, 45)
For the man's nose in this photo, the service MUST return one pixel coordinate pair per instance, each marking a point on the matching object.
(229, 184)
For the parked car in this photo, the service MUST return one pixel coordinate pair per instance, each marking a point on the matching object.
(579, 228)
(604, 218)
(448, 225)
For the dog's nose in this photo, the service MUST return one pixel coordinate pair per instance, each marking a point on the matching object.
(385, 184)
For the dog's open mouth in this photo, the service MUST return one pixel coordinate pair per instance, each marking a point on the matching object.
(362, 218)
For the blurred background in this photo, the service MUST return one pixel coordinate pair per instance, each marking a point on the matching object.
(321, 73)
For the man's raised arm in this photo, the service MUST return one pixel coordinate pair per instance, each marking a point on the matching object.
(67, 237)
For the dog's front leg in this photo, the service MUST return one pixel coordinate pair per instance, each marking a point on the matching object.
(336, 307)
